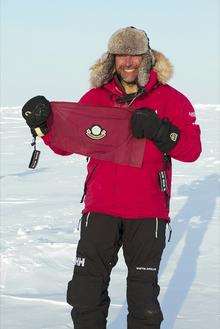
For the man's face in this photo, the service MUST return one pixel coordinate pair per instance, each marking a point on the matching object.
(127, 66)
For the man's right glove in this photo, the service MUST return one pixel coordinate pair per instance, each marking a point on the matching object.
(36, 112)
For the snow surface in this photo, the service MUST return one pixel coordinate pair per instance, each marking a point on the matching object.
(40, 210)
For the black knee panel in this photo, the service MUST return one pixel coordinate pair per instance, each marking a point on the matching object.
(84, 292)
(153, 315)
(148, 317)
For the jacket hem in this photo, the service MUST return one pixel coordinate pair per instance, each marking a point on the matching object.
(130, 216)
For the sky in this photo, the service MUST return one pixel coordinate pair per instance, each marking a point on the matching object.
(47, 46)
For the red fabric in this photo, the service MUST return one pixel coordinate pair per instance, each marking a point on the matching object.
(129, 192)
(71, 124)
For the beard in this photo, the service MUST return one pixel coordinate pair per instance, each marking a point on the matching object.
(128, 77)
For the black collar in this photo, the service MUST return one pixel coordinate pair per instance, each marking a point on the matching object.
(127, 98)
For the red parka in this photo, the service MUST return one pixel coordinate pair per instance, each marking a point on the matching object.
(131, 192)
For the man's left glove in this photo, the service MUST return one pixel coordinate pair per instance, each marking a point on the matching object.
(146, 123)
(36, 112)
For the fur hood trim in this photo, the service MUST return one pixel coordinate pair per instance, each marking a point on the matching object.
(163, 67)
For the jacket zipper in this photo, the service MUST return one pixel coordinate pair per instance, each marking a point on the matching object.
(133, 100)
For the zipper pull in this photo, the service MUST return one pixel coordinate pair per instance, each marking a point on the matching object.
(156, 228)
(79, 222)
(167, 160)
(170, 232)
(87, 218)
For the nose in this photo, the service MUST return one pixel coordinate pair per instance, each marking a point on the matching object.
(128, 60)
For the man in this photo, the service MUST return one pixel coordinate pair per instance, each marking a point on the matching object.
(127, 206)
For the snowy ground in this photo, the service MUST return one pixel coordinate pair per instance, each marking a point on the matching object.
(39, 216)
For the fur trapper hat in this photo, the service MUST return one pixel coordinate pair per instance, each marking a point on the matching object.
(129, 41)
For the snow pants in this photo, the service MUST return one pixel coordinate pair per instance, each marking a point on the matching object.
(101, 237)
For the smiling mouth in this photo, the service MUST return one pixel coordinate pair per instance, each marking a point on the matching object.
(129, 70)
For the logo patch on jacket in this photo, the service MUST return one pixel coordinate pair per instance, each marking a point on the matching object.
(96, 132)
(173, 137)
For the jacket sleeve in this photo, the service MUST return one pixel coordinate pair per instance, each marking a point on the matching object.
(188, 147)
(47, 140)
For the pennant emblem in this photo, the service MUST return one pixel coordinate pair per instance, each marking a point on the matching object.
(96, 132)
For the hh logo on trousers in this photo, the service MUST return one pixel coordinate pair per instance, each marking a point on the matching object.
(80, 261)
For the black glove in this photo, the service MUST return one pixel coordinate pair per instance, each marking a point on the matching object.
(146, 123)
(36, 112)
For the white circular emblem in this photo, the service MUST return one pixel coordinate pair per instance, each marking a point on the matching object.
(173, 137)
(96, 132)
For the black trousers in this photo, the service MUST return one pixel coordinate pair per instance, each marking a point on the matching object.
(101, 237)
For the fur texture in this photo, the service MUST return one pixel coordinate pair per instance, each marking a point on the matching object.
(129, 41)
(163, 67)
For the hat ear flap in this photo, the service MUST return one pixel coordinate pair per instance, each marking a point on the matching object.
(144, 69)
(103, 70)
